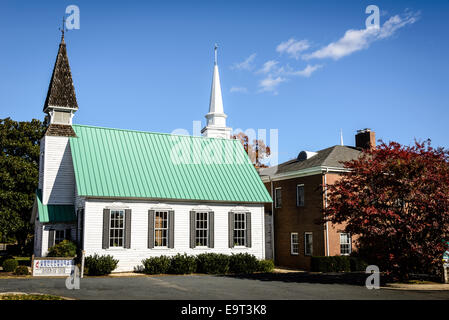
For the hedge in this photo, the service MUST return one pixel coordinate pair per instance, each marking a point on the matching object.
(156, 265)
(337, 264)
(210, 263)
(266, 266)
(9, 265)
(100, 265)
(182, 264)
(242, 263)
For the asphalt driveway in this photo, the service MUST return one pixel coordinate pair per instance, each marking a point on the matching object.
(259, 287)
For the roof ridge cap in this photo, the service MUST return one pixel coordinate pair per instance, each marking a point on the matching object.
(151, 132)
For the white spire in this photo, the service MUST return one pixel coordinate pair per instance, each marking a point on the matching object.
(341, 137)
(216, 101)
(216, 118)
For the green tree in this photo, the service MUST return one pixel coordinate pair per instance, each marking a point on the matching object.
(19, 174)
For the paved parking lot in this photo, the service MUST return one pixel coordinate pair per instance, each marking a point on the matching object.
(277, 286)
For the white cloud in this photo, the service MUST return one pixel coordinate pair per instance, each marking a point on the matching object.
(307, 71)
(239, 89)
(245, 65)
(268, 66)
(293, 47)
(270, 84)
(356, 40)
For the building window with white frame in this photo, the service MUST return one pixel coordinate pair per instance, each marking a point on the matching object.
(308, 243)
(345, 244)
(278, 198)
(202, 229)
(300, 195)
(294, 243)
(161, 229)
(117, 228)
(240, 229)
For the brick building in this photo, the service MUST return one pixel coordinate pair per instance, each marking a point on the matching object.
(297, 189)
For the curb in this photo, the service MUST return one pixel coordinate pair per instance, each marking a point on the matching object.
(417, 287)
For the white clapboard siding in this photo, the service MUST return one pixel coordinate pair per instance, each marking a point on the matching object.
(59, 177)
(131, 258)
(41, 163)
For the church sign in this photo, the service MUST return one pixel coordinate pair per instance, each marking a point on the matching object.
(52, 267)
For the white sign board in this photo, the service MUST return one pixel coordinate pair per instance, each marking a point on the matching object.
(53, 267)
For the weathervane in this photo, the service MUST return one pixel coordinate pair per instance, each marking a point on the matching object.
(63, 28)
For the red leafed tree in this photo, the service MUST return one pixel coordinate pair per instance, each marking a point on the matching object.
(257, 150)
(396, 200)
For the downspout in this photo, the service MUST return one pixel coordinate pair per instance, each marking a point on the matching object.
(325, 207)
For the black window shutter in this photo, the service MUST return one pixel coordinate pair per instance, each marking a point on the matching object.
(192, 229)
(151, 229)
(248, 229)
(106, 214)
(82, 230)
(211, 229)
(127, 243)
(68, 234)
(171, 229)
(51, 238)
(231, 229)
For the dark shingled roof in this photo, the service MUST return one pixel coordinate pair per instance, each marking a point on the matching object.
(60, 130)
(329, 157)
(61, 92)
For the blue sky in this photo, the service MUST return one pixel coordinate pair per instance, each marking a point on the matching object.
(286, 65)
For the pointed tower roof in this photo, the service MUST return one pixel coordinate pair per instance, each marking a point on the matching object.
(216, 100)
(216, 118)
(61, 92)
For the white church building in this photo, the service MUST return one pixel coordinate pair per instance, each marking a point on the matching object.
(134, 194)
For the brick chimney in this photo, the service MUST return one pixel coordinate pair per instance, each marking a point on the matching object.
(365, 138)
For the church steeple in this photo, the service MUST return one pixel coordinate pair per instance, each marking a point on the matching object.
(61, 103)
(216, 118)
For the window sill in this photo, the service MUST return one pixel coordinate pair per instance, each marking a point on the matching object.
(294, 254)
(116, 249)
(201, 248)
(239, 247)
(161, 248)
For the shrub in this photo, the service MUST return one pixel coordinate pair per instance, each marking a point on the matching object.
(266, 266)
(331, 264)
(5, 257)
(100, 265)
(243, 263)
(182, 264)
(21, 271)
(65, 248)
(213, 263)
(357, 264)
(9, 265)
(342, 263)
(156, 265)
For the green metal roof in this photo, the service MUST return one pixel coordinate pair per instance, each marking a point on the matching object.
(133, 164)
(54, 213)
